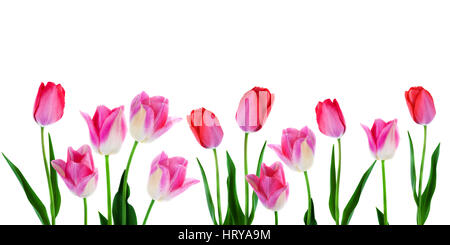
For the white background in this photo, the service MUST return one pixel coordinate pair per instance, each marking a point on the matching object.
(208, 53)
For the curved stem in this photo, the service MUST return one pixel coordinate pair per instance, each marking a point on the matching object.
(384, 193)
(421, 173)
(148, 212)
(276, 217)
(85, 212)
(308, 217)
(125, 182)
(336, 213)
(219, 209)
(246, 183)
(108, 189)
(49, 182)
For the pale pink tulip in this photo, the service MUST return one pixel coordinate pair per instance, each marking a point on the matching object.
(383, 138)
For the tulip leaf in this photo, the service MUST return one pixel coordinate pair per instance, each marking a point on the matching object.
(413, 170)
(427, 194)
(103, 220)
(234, 216)
(254, 196)
(54, 178)
(353, 202)
(117, 206)
(34, 200)
(332, 200)
(209, 199)
(381, 217)
(313, 217)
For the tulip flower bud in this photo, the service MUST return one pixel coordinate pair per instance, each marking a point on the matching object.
(49, 104)
(271, 187)
(297, 148)
(79, 172)
(206, 128)
(168, 177)
(149, 117)
(330, 119)
(254, 108)
(421, 105)
(383, 138)
(107, 129)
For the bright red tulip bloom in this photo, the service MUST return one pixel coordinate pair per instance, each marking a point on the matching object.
(149, 117)
(49, 104)
(78, 172)
(206, 128)
(271, 187)
(254, 108)
(297, 148)
(330, 119)
(383, 138)
(107, 129)
(421, 105)
(168, 177)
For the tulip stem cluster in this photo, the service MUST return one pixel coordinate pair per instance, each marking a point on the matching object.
(337, 183)
(148, 212)
(125, 182)
(219, 208)
(108, 190)
(421, 170)
(384, 193)
(85, 211)
(246, 183)
(47, 172)
(308, 217)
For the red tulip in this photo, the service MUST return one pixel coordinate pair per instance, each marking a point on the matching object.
(254, 108)
(49, 104)
(421, 105)
(206, 128)
(330, 119)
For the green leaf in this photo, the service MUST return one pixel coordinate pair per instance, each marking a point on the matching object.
(234, 216)
(117, 206)
(313, 217)
(34, 200)
(332, 201)
(54, 178)
(103, 220)
(413, 170)
(353, 202)
(254, 196)
(209, 200)
(380, 216)
(427, 194)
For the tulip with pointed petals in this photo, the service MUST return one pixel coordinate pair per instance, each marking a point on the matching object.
(49, 104)
(383, 138)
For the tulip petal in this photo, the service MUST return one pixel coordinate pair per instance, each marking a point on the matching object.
(424, 109)
(372, 142)
(93, 133)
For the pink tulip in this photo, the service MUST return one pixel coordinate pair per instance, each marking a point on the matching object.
(383, 138)
(49, 104)
(271, 187)
(149, 117)
(254, 108)
(297, 148)
(330, 119)
(107, 129)
(421, 105)
(79, 172)
(168, 177)
(206, 128)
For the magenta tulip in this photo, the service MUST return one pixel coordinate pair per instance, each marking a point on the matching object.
(383, 138)
(206, 128)
(254, 108)
(78, 172)
(168, 177)
(49, 104)
(421, 105)
(330, 119)
(107, 129)
(297, 148)
(271, 187)
(149, 117)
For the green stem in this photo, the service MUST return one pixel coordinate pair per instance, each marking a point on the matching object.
(85, 212)
(384, 193)
(276, 217)
(421, 174)
(49, 182)
(125, 182)
(308, 218)
(246, 183)
(336, 204)
(148, 212)
(219, 209)
(108, 190)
